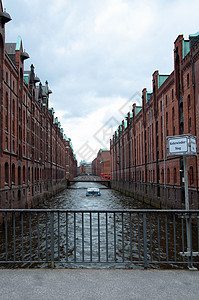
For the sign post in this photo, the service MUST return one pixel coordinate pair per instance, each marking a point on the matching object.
(184, 145)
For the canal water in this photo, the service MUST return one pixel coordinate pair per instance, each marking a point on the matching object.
(75, 198)
(97, 238)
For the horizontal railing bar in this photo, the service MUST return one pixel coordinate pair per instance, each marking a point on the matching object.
(156, 211)
(95, 262)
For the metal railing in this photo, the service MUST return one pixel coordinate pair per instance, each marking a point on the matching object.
(123, 238)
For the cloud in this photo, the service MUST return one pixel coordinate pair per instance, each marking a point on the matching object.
(97, 54)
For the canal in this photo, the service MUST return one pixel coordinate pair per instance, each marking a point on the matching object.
(75, 198)
(94, 231)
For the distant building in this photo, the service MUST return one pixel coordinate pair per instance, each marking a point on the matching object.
(101, 165)
(85, 168)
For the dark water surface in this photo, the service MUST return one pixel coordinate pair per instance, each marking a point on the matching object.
(75, 198)
(92, 239)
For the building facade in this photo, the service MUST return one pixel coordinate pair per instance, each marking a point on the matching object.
(101, 165)
(32, 145)
(139, 162)
(71, 161)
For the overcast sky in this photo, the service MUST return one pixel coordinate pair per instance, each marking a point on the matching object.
(97, 56)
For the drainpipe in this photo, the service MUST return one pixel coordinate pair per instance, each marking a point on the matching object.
(194, 97)
(163, 128)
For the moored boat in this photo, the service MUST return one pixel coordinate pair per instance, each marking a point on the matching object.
(93, 192)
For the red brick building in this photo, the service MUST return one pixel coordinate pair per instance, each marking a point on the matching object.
(139, 161)
(101, 165)
(71, 162)
(32, 147)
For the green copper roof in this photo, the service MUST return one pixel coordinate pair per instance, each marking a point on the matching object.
(103, 149)
(148, 96)
(194, 35)
(26, 77)
(162, 79)
(137, 110)
(18, 44)
(186, 48)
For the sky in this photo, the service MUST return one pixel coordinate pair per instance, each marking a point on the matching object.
(97, 56)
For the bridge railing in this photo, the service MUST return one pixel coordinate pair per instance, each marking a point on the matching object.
(121, 238)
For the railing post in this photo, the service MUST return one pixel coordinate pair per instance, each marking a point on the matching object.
(145, 240)
(52, 238)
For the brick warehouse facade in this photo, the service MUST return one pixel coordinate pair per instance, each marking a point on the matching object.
(101, 165)
(139, 162)
(32, 145)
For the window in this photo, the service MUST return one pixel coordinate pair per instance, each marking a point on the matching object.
(6, 121)
(19, 175)
(29, 173)
(7, 77)
(24, 174)
(189, 101)
(13, 146)
(166, 101)
(13, 173)
(188, 80)
(6, 173)
(172, 96)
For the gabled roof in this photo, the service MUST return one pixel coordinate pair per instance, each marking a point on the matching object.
(10, 48)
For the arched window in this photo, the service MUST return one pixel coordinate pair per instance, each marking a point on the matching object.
(19, 175)
(188, 80)
(6, 173)
(13, 173)
(32, 175)
(24, 174)
(29, 173)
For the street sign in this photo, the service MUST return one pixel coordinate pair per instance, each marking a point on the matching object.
(181, 145)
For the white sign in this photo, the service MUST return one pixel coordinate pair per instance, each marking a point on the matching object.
(181, 145)
(178, 145)
(193, 145)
